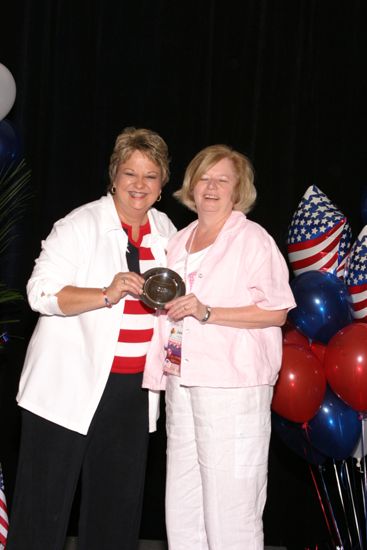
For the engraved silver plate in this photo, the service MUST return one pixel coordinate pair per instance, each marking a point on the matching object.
(161, 286)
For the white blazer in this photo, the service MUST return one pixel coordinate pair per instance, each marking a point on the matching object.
(69, 358)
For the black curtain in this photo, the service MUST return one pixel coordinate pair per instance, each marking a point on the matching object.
(284, 81)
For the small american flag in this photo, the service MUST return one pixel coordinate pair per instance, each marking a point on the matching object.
(356, 276)
(319, 236)
(4, 522)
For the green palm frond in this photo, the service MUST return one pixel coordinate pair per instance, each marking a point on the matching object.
(8, 295)
(14, 196)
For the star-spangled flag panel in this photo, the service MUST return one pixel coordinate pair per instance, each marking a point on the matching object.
(4, 521)
(319, 236)
(356, 276)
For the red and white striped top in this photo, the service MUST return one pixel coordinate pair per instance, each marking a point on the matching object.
(137, 319)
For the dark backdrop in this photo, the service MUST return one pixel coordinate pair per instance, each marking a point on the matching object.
(283, 81)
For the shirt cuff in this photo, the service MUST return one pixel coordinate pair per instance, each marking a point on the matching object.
(49, 305)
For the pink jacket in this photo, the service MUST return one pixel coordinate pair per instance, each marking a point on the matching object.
(243, 266)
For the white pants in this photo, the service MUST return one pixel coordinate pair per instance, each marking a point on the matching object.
(217, 455)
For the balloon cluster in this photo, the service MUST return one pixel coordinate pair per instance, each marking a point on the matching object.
(321, 393)
(14, 177)
(10, 145)
(320, 399)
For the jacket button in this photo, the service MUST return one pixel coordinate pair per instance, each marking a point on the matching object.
(200, 275)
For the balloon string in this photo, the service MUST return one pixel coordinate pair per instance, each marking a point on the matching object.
(351, 496)
(342, 502)
(330, 508)
(320, 501)
(360, 469)
(310, 450)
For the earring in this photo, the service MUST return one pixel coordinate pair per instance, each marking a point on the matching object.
(113, 189)
(159, 198)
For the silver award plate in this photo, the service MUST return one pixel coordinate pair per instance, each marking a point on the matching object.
(161, 286)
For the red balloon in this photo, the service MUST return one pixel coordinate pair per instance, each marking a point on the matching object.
(293, 336)
(319, 350)
(346, 365)
(301, 386)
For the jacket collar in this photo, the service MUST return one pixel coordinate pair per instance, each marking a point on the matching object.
(110, 220)
(233, 222)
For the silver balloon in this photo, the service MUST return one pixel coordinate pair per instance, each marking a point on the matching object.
(7, 91)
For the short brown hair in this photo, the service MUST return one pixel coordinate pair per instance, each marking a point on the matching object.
(245, 191)
(139, 139)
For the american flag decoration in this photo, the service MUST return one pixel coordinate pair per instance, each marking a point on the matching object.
(4, 522)
(4, 339)
(319, 236)
(356, 276)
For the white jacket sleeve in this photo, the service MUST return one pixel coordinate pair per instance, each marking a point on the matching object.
(55, 268)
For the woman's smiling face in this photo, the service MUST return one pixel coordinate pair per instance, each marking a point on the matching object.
(138, 184)
(215, 190)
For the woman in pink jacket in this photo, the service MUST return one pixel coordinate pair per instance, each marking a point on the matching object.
(217, 353)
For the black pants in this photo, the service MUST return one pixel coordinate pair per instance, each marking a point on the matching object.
(111, 460)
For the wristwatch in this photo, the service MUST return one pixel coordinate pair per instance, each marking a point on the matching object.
(207, 314)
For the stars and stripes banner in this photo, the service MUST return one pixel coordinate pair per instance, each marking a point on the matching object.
(4, 522)
(4, 339)
(356, 276)
(319, 236)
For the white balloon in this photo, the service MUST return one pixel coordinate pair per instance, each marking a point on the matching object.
(7, 91)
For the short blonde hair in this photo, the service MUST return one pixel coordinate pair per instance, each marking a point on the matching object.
(139, 139)
(245, 191)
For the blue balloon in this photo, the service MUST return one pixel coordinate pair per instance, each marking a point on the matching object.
(323, 305)
(336, 428)
(10, 144)
(364, 205)
(295, 437)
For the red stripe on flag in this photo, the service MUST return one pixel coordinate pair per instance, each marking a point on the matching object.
(357, 306)
(327, 248)
(361, 318)
(135, 336)
(4, 523)
(330, 263)
(294, 247)
(136, 307)
(310, 260)
(357, 289)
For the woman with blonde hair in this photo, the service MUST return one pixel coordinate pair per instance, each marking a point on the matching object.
(217, 354)
(84, 413)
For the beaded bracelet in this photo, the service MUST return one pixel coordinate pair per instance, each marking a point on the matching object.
(106, 300)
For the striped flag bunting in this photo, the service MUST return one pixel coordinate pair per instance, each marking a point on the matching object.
(356, 276)
(319, 236)
(4, 521)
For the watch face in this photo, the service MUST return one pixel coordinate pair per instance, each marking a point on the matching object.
(161, 286)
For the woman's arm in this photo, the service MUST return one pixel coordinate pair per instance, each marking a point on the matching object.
(247, 317)
(74, 300)
(237, 317)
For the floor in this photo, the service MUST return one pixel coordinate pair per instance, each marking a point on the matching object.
(71, 544)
